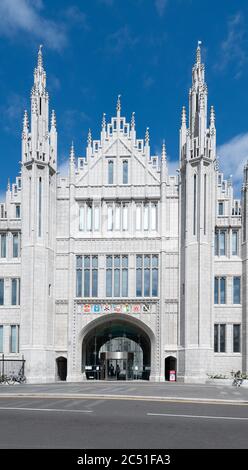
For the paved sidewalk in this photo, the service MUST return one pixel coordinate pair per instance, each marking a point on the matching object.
(131, 391)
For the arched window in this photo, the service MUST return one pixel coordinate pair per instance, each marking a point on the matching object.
(125, 172)
(110, 172)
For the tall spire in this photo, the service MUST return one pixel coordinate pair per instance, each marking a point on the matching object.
(198, 53)
(133, 121)
(53, 119)
(163, 155)
(40, 58)
(89, 138)
(72, 153)
(118, 106)
(25, 121)
(147, 136)
(104, 122)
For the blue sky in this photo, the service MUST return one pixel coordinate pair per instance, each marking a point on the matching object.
(141, 49)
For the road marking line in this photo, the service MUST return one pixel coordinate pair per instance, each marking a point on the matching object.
(196, 416)
(43, 409)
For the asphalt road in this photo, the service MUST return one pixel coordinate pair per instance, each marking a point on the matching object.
(64, 423)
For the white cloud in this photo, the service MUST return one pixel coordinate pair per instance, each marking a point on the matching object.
(160, 6)
(233, 155)
(25, 16)
(233, 49)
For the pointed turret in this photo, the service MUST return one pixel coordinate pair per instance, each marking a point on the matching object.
(164, 166)
(72, 161)
(118, 106)
(53, 119)
(89, 152)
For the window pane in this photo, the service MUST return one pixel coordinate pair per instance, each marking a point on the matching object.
(125, 172)
(14, 339)
(3, 245)
(15, 245)
(138, 217)
(221, 208)
(86, 283)
(18, 212)
(154, 282)
(81, 218)
(124, 217)
(146, 217)
(139, 282)
(222, 290)
(222, 338)
(110, 172)
(216, 338)
(96, 218)
(79, 261)
(124, 261)
(117, 217)
(147, 262)
(1, 339)
(139, 261)
(222, 241)
(154, 261)
(89, 217)
(236, 338)
(234, 243)
(94, 283)
(94, 261)
(1, 291)
(87, 261)
(110, 218)
(14, 292)
(79, 283)
(216, 290)
(154, 217)
(147, 283)
(124, 282)
(117, 283)
(109, 262)
(236, 290)
(109, 283)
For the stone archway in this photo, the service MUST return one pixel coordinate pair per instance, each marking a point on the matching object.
(122, 333)
(61, 363)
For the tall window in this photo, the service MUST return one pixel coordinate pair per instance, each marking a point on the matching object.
(221, 208)
(236, 290)
(146, 275)
(117, 276)
(146, 217)
(220, 243)
(1, 291)
(220, 338)
(89, 217)
(236, 339)
(219, 290)
(15, 291)
(3, 245)
(125, 172)
(234, 243)
(87, 276)
(1, 338)
(14, 339)
(15, 245)
(110, 172)
(18, 211)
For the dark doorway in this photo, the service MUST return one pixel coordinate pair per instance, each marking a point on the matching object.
(170, 364)
(61, 368)
(116, 350)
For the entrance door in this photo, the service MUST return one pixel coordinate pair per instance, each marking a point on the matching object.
(117, 366)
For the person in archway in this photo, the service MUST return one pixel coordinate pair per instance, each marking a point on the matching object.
(118, 370)
(112, 370)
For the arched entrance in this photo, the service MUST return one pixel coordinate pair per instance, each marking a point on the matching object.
(170, 364)
(116, 348)
(61, 368)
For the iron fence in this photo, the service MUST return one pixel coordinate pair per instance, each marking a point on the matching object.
(10, 366)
